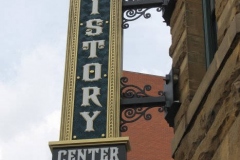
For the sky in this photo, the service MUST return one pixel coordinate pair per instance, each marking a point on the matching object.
(33, 47)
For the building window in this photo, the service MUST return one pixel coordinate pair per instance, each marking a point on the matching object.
(210, 29)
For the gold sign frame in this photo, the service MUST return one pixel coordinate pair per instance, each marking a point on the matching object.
(114, 71)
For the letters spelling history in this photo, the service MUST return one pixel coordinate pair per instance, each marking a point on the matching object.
(92, 58)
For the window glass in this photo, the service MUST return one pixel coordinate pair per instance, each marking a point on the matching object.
(210, 29)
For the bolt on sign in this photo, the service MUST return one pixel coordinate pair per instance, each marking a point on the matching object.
(91, 98)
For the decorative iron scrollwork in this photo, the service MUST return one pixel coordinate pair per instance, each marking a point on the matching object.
(129, 115)
(134, 9)
(132, 91)
(134, 111)
(134, 14)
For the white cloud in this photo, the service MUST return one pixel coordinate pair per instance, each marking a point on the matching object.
(25, 24)
(32, 143)
(33, 41)
(146, 45)
(34, 91)
(1, 156)
(30, 103)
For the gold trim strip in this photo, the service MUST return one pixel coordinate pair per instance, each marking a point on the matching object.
(91, 142)
(114, 69)
(70, 71)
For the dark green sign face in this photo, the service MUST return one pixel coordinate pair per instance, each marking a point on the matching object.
(90, 105)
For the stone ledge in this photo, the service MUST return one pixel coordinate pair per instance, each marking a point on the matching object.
(225, 18)
(219, 58)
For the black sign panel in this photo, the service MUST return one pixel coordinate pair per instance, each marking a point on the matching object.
(108, 152)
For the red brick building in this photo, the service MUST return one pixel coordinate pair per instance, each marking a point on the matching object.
(149, 140)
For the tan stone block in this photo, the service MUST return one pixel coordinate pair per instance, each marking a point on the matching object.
(194, 23)
(219, 7)
(187, 146)
(195, 1)
(197, 57)
(219, 56)
(193, 5)
(178, 57)
(183, 83)
(217, 132)
(201, 92)
(178, 6)
(178, 134)
(222, 153)
(195, 44)
(226, 18)
(181, 112)
(228, 39)
(196, 71)
(180, 49)
(177, 30)
(217, 114)
(215, 117)
(234, 140)
(184, 93)
(189, 20)
(193, 86)
(213, 120)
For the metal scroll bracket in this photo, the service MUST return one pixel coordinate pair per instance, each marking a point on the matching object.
(135, 102)
(134, 9)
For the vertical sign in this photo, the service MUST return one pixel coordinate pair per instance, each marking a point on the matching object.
(91, 97)
(90, 104)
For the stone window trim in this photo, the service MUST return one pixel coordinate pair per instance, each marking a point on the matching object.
(210, 30)
(228, 43)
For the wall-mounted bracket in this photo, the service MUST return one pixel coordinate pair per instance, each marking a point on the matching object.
(135, 102)
(134, 9)
(170, 91)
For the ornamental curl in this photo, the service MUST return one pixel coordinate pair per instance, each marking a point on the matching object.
(133, 113)
(129, 115)
(132, 91)
(133, 14)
